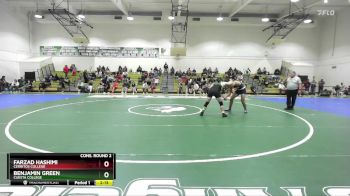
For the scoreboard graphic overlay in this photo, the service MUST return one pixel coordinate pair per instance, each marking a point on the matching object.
(90, 169)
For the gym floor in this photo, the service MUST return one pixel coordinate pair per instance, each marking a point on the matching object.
(164, 137)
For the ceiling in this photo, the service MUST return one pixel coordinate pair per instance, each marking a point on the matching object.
(202, 8)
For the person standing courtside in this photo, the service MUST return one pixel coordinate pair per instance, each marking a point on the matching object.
(292, 90)
(321, 84)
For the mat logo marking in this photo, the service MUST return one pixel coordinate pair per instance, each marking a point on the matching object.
(167, 109)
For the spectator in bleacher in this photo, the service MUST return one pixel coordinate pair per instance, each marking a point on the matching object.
(166, 67)
(347, 91)
(119, 77)
(56, 78)
(90, 87)
(72, 67)
(61, 83)
(205, 87)
(79, 85)
(134, 88)
(342, 88)
(337, 90)
(28, 87)
(100, 88)
(153, 87)
(43, 84)
(205, 71)
(180, 88)
(3, 83)
(125, 74)
(189, 86)
(264, 71)
(307, 85)
(313, 86)
(277, 72)
(210, 71)
(326, 93)
(178, 74)
(281, 87)
(194, 72)
(74, 71)
(66, 70)
(99, 74)
(14, 86)
(198, 80)
(292, 90)
(114, 86)
(125, 69)
(196, 89)
(103, 71)
(155, 72)
(47, 80)
(139, 69)
(253, 89)
(85, 76)
(266, 82)
(21, 82)
(236, 71)
(321, 84)
(149, 82)
(259, 72)
(52, 77)
(107, 86)
(156, 81)
(144, 76)
(126, 86)
(99, 70)
(67, 82)
(189, 72)
(104, 80)
(247, 71)
(216, 71)
(144, 87)
(185, 81)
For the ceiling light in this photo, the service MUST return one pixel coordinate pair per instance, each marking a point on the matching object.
(294, 1)
(219, 18)
(325, 1)
(130, 18)
(307, 21)
(38, 16)
(80, 16)
(171, 17)
(265, 19)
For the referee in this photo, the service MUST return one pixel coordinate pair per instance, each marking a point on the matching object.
(292, 90)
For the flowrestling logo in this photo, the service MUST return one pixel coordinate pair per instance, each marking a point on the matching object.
(160, 187)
